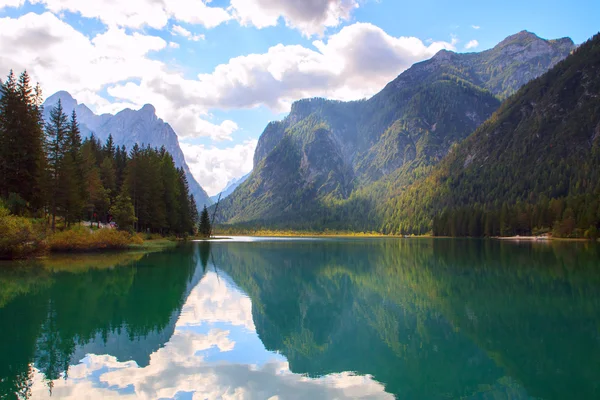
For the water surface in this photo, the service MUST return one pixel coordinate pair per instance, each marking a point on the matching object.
(311, 318)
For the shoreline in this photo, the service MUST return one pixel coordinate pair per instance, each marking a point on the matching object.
(275, 234)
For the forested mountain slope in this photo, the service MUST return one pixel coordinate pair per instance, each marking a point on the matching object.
(325, 152)
(130, 127)
(534, 166)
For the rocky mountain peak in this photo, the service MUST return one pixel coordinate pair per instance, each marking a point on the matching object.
(148, 109)
(67, 101)
(518, 38)
(444, 55)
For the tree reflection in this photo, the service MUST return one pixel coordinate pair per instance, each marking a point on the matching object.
(61, 312)
(430, 318)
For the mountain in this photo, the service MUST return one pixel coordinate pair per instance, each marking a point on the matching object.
(127, 128)
(533, 166)
(230, 187)
(327, 153)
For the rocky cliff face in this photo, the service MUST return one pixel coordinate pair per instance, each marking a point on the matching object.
(325, 150)
(129, 127)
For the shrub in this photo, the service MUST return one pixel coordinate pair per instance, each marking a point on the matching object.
(82, 239)
(19, 237)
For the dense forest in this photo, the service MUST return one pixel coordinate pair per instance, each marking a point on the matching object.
(48, 172)
(344, 166)
(533, 167)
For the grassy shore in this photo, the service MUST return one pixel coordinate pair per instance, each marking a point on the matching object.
(348, 234)
(292, 233)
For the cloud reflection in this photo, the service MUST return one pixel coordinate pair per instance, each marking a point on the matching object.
(186, 367)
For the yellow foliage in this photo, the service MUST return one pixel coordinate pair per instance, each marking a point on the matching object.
(82, 239)
(19, 237)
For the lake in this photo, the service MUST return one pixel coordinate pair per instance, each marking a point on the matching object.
(306, 319)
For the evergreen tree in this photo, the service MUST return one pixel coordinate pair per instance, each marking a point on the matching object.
(96, 197)
(205, 228)
(186, 225)
(109, 176)
(56, 139)
(109, 147)
(21, 141)
(74, 172)
(170, 178)
(195, 217)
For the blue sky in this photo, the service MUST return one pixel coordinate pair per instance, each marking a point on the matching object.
(219, 71)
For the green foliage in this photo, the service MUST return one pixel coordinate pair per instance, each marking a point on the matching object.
(21, 142)
(19, 237)
(205, 228)
(58, 174)
(123, 212)
(533, 166)
(333, 165)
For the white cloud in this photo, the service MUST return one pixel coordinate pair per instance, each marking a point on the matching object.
(139, 13)
(351, 64)
(472, 44)
(354, 63)
(310, 17)
(179, 30)
(62, 58)
(214, 167)
(174, 45)
(11, 3)
(476, 27)
(182, 365)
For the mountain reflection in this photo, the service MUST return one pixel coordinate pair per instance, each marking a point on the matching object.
(415, 319)
(430, 318)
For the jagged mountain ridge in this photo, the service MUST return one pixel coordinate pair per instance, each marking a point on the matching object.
(324, 151)
(541, 146)
(127, 128)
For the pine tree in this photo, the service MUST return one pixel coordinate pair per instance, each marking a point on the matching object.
(96, 198)
(205, 228)
(109, 147)
(195, 217)
(21, 141)
(74, 173)
(170, 178)
(56, 139)
(185, 217)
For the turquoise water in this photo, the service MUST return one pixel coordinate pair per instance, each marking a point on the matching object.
(310, 318)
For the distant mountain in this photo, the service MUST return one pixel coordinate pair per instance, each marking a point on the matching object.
(535, 164)
(325, 153)
(129, 127)
(230, 187)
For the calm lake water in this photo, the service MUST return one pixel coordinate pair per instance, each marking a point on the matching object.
(306, 319)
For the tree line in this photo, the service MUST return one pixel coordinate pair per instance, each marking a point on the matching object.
(48, 171)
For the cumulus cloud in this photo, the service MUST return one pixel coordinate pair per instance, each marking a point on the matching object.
(174, 45)
(139, 13)
(352, 64)
(472, 44)
(182, 365)
(310, 17)
(476, 27)
(179, 30)
(62, 58)
(214, 167)
(11, 3)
